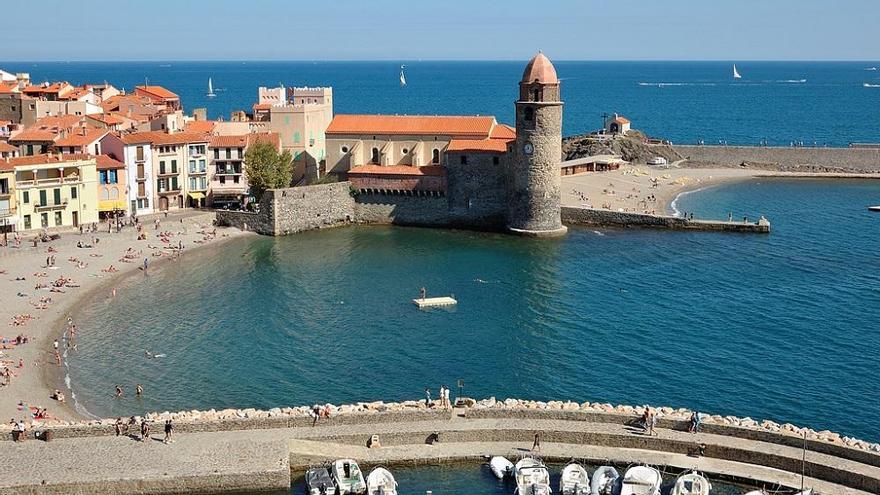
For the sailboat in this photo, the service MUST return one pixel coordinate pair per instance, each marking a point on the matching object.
(210, 89)
(736, 73)
(402, 76)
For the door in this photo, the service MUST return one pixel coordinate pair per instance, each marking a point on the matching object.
(163, 203)
(75, 215)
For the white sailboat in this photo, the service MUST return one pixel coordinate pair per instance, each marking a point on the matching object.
(402, 76)
(736, 73)
(210, 89)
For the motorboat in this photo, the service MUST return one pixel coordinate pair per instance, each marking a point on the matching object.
(319, 482)
(348, 476)
(575, 480)
(641, 480)
(874, 208)
(603, 481)
(380, 481)
(532, 477)
(501, 467)
(692, 483)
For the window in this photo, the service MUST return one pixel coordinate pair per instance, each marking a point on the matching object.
(58, 220)
(161, 185)
(43, 200)
(102, 176)
(241, 152)
(222, 179)
(173, 166)
(495, 160)
(464, 159)
(228, 153)
(375, 156)
(140, 153)
(344, 149)
(203, 183)
(27, 222)
(202, 165)
(142, 189)
(26, 197)
(216, 153)
(174, 184)
(296, 137)
(112, 177)
(192, 166)
(192, 183)
(529, 114)
(536, 95)
(435, 157)
(73, 192)
(162, 167)
(404, 151)
(44, 220)
(140, 171)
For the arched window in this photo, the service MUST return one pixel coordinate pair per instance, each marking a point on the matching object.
(435, 157)
(114, 193)
(375, 156)
(536, 94)
(529, 114)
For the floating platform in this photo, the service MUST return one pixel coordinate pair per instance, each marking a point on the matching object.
(431, 302)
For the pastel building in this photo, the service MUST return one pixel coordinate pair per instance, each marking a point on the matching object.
(112, 195)
(8, 218)
(55, 190)
(229, 186)
(159, 96)
(301, 122)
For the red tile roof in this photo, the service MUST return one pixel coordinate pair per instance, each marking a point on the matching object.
(76, 94)
(502, 131)
(229, 141)
(42, 159)
(157, 92)
(56, 87)
(10, 87)
(372, 169)
(7, 148)
(272, 138)
(160, 138)
(262, 106)
(106, 118)
(106, 162)
(205, 126)
(621, 120)
(479, 145)
(459, 126)
(47, 128)
(82, 137)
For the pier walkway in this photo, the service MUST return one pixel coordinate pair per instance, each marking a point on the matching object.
(267, 459)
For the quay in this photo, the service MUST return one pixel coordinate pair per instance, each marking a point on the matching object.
(267, 450)
(432, 302)
(608, 218)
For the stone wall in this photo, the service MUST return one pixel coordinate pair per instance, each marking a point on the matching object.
(297, 209)
(843, 160)
(477, 190)
(607, 218)
(244, 220)
(402, 210)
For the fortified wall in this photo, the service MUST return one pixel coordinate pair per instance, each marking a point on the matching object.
(841, 160)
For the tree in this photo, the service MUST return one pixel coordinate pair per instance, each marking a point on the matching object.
(266, 168)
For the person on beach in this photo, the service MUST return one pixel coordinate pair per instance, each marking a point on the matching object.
(118, 426)
(446, 398)
(118, 392)
(442, 404)
(695, 422)
(427, 397)
(145, 430)
(146, 264)
(138, 390)
(169, 432)
(55, 344)
(131, 426)
(316, 413)
(536, 445)
(646, 418)
(57, 358)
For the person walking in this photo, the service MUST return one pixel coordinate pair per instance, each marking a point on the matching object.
(427, 397)
(536, 445)
(118, 426)
(145, 430)
(442, 397)
(695, 422)
(169, 432)
(446, 397)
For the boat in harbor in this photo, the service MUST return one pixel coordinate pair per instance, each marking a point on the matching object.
(348, 476)
(736, 74)
(501, 467)
(603, 481)
(641, 480)
(211, 93)
(532, 477)
(319, 481)
(380, 481)
(575, 480)
(692, 483)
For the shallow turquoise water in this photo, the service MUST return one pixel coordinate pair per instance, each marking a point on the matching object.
(782, 326)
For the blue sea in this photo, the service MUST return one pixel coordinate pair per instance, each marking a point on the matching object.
(780, 102)
(780, 326)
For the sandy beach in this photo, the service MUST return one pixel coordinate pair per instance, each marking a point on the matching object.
(643, 189)
(41, 314)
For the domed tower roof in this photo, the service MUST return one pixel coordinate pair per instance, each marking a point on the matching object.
(540, 70)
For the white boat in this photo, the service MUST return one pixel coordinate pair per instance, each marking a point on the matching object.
(603, 481)
(501, 467)
(381, 482)
(641, 480)
(348, 476)
(210, 89)
(402, 76)
(657, 160)
(532, 477)
(319, 482)
(575, 480)
(869, 85)
(736, 73)
(692, 483)
(874, 208)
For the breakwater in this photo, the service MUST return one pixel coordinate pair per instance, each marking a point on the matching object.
(608, 218)
(210, 448)
(795, 159)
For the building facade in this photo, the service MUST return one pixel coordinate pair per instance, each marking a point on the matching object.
(55, 191)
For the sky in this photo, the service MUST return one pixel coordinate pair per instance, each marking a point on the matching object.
(441, 30)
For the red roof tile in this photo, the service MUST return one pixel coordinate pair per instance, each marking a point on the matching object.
(204, 126)
(157, 92)
(371, 169)
(160, 138)
(479, 145)
(43, 159)
(82, 137)
(106, 162)
(461, 126)
(7, 148)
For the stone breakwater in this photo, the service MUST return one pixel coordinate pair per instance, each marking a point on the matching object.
(367, 412)
(810, 160)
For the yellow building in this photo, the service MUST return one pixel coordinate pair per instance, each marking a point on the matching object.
(55, 190)
(8, 217)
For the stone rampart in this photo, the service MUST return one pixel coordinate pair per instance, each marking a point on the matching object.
(606, 218)
(245, 220)
(297, 209)
(841, 160)
(402, 210)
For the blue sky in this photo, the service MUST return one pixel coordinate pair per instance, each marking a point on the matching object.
(450, 29)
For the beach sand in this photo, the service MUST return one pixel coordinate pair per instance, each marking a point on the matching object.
(632, 187)
(33, 384)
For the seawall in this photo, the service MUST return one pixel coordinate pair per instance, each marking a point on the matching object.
(234, 450)
(812, 160)
(607, 218)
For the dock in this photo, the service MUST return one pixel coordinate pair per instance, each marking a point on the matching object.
(433, 302)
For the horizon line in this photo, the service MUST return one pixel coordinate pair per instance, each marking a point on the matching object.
(411, 60)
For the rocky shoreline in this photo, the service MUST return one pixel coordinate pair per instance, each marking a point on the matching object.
(202, 420)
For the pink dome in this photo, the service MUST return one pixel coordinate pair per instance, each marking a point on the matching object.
(541, 70)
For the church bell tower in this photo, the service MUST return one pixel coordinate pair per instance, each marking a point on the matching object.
(535, 180)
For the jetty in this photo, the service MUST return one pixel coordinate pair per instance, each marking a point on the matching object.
(432, 302)
(609, 218)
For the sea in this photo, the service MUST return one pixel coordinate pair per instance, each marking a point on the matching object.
(780, 326)
(814, 103)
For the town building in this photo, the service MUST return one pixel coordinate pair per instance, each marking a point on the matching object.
(48, 91)
(54, 190)
(8, 218)
(618, 125)
(228, 184)
(40, 137)
(7, 150)
(84, 140)
(300, 116)
(112, 197)
(160, 96)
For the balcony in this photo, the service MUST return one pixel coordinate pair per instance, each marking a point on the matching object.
(168, 173)
(163, 192)
(198, 172)
(23, 184)
(51, 206)
(7, 212)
